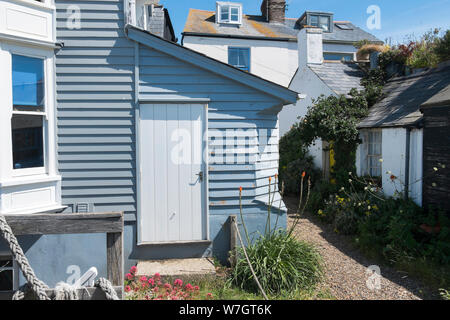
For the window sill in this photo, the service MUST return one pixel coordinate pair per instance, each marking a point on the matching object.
(37, 4)
(46, 209)
(18, 181)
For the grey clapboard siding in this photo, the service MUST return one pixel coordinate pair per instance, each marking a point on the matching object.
(95, 100)
(96, 117)
(232, 106)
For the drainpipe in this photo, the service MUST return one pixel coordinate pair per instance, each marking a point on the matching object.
(407, 157)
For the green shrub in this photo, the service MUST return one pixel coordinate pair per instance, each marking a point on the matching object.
(319, 193)
(281, 264)
(401, 231)
(294, 160)
(443, 47)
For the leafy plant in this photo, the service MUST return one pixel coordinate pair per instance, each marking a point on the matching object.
(443, 47)
(153, 288)
(294, 160)
(280, 262)
(335, 119)
(276, 262)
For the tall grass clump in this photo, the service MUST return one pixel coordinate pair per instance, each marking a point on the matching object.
(281, 263)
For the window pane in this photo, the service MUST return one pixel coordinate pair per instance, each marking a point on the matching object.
(244, 59)
(234, 14)
(239, 58)
(337, 56)
(27, 139)
(315, 21)
(224, 13)
(233, 56)
(6, 280)
(28, 82)
(324, 23)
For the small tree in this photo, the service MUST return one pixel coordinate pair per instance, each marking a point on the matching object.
(335, 119)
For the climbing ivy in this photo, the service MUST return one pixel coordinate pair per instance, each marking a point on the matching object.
(335, 119)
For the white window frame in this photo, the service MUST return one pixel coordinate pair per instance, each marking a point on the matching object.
(14, 269)
(49, 170)
(230, 6)
(44, 115)
(376, 156)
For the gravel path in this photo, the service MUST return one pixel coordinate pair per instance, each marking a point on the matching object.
(346, 267)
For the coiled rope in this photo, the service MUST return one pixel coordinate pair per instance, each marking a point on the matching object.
(63, 291)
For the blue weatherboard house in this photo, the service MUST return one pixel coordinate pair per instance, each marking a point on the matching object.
(142, 125)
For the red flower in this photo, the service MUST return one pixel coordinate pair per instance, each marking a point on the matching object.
(143, 279)
(157, 275)
(303, 174)
(127, 288)
(189, 287)
(133, 270)
(129, 276)
(393, 177)
(178, 282)
(151, 282)
(209, 295)
(196, 288)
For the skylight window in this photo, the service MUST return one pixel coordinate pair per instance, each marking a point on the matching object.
(228, 12)
(344, 26)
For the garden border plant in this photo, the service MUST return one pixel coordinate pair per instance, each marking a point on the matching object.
(280, 262)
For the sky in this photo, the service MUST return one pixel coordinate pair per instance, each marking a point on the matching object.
(400, 19)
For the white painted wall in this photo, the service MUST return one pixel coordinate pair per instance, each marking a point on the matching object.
(27, 28)
(394, 162)
(393, 152)
(416, 166)
(30, 20)
(307, 82)
(275, 61)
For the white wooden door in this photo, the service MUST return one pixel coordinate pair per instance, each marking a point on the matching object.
(172, 173)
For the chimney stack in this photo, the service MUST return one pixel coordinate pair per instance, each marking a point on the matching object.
(310, 46)
(274, 10)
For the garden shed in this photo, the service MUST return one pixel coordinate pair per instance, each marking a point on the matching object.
(436, 150)
(149, 128)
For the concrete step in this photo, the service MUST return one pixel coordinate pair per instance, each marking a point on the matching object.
(176, 267)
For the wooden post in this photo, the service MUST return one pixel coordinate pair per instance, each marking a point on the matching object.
(114, 243)
(233, 239)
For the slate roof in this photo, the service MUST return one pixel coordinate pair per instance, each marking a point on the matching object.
(405, 96)
(340, 77)
(201, 22)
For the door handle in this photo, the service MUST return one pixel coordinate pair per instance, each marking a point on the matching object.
(200, 176)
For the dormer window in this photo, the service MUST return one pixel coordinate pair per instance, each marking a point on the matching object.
(323, 20)
(228, 12)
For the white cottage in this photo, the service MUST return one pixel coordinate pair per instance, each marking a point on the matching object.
(315, 77)
(392, 134)
(266, 44)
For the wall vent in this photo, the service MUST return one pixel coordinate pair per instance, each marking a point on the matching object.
(82, 207)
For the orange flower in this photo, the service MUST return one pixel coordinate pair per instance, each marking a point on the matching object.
(303, 174)
(276, 176)
(240, 189)
(270, 179)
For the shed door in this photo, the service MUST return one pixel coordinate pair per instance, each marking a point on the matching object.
(172, 173)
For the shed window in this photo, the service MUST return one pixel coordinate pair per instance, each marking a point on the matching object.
(374, 142)
(8, 274)
(27, 121)
(239, 58)
(229, 13)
